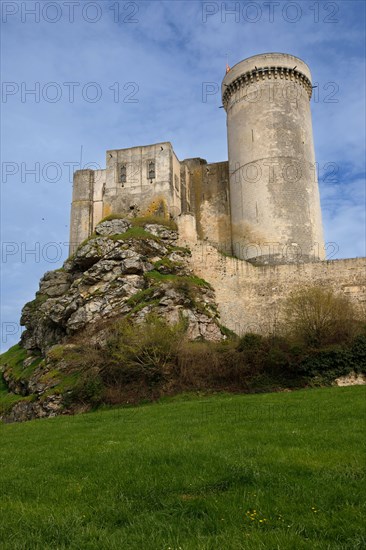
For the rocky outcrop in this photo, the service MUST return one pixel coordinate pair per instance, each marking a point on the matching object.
(127, 269)
(351, 379)
(122, 270)
(113, 227)
(29, 410)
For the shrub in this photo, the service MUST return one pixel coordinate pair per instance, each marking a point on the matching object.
(89, 388)
(359, 353)
(317, 317)
(327, 364)
(84, 357)
(208, 365)
(250, 342)
(252, 350)
(145, 351)
(269, 361)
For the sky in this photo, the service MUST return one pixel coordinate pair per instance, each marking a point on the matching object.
(82, 77)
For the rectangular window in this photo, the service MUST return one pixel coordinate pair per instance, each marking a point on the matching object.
(123, 174)
(151, 170)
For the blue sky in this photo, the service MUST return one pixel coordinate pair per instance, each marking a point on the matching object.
(158, 54)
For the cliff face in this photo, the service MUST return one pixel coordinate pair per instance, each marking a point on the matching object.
(129, 269)
(123, 269)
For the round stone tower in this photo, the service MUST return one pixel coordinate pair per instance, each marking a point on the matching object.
(274, 195)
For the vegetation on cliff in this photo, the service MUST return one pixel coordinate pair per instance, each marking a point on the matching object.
(126, 320)
(130, 273)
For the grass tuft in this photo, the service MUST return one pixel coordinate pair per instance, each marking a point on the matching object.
(137, 233)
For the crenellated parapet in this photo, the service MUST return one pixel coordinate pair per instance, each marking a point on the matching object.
(271, 73)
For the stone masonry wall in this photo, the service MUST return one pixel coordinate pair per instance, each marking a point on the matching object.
(251, 298)
(210, 200)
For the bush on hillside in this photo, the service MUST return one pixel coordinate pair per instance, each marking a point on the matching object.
(146, 351)
(318, 317)
(124, 362)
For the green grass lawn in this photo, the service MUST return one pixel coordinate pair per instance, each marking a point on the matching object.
(270, 471)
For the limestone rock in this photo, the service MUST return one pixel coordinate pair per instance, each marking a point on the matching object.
(96, 282)
(102, 270)
(200, 326)
(29, 410)
(177, 256)
(112, 227)
(351, 379)
(101, 279)
(55, 283)
(90, 253)
(168, 235)
(105, 279)
(135, 263)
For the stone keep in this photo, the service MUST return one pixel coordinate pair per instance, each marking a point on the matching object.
(262, 206)
(274, 196)
(141, 180)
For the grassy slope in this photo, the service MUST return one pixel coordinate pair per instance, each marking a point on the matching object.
(189, 473)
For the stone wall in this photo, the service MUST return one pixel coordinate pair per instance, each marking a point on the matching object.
(81, 208)
(210, 200)
(251, 298)
(99, 193)
(139, 193)
(190, 186)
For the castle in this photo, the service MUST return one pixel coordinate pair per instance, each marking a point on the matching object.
(261, 207)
